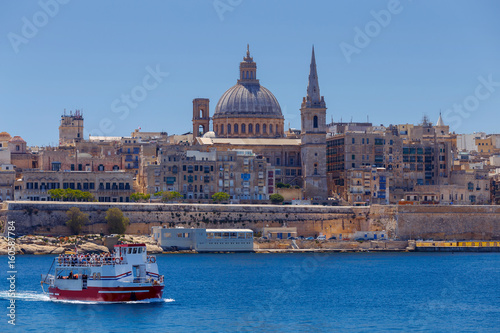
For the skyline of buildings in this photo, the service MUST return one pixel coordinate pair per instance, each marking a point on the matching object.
(244, 150)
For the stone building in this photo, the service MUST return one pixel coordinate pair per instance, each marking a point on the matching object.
(7, 180)
(21, 156)
(105, 186)
(248, 117)
(197, 175)
(52, 159)
(71, 128)
(352, 150)
(368, 185)
(313, 138)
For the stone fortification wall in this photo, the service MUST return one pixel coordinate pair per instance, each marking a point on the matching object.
(400, 222)
(50, 217)
(448, 222)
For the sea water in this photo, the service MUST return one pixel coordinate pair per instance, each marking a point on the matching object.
(334, 292)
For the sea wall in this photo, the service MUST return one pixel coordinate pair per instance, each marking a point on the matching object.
(400, 222)
(448, 222)
(50, 217)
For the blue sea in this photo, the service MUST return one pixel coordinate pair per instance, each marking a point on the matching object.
(335, 292)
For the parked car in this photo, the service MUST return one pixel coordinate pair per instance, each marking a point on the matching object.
(301, 238)
(332, 238)
(321, 237)
(292, 238)
(310, 238)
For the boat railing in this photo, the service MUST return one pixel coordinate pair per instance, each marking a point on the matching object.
(155, 281)
(89, 261)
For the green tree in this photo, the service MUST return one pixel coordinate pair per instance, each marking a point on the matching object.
(70, 195)
(117, 223)
(76, 220)
(56, 194)
(171, 196)
(220, 196)
(140, 197)
(276, 198)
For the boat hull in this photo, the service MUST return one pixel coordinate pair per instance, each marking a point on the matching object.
(109, 294)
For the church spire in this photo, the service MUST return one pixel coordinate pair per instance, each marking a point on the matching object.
(314, 99)
(440, 121)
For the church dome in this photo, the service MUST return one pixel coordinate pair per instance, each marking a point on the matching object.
(247, 109)
(248, 100)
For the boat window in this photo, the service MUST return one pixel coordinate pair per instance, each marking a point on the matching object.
(232, 235)
(134, 251)
(241, 235)
(210, 235)
(217, 235)
(129, 250)
(225, 235)
(139, 250)
(249, 235)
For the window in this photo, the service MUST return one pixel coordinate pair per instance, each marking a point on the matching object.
(264, 128)
(353, 141)
(250, 128)
(235, 128)
(243, 128)
(315, 122)
(257, 128)
(228, 129)
(100, 167)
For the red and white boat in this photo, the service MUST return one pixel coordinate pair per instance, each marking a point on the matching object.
(128, 274)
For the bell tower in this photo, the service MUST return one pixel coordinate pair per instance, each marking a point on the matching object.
(313, 138)
(201, 117)
(71, 128)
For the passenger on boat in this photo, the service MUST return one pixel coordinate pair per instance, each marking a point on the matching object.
(70, 275)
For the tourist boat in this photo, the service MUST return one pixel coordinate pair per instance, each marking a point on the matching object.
(128, 274)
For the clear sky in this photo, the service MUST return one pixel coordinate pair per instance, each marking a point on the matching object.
(392, 61)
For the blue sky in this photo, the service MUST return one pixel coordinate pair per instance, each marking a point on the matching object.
(418, 58)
